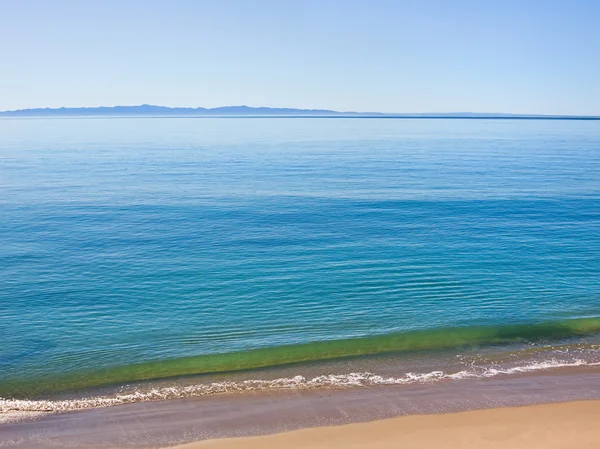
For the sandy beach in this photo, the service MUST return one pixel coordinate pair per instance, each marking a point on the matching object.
(562, 425)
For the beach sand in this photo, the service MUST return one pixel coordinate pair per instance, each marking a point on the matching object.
(562, 425)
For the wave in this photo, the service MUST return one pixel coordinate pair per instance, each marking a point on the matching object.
(18, 409)
(413, 341)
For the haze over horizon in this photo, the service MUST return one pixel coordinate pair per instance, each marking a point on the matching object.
(534, 57)
(242, 110)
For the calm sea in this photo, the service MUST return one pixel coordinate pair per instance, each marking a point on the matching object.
(166, 257)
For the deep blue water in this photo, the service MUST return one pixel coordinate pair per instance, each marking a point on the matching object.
(133, 240)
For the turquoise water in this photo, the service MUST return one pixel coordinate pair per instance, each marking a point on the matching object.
(138, 249)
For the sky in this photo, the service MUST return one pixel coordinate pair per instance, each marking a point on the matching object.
(511, 56)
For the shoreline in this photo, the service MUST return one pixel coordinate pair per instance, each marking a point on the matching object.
(559, 425)
(399, 358)
(167, 423)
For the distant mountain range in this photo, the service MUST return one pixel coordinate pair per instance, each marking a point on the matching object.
(159, 111)
(147, 110)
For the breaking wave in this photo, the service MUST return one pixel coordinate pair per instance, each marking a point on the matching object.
(18, 409)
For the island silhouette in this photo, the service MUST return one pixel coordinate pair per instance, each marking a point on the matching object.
(147, 110)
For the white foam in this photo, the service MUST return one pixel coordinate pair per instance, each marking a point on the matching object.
(19, 409)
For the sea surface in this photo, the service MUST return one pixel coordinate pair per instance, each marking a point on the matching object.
(155, 258)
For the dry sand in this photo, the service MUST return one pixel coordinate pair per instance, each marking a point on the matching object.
(565, 425)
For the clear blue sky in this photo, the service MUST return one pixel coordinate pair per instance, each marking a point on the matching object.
(522, 56)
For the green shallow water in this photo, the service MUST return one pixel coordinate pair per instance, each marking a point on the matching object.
(415, 341)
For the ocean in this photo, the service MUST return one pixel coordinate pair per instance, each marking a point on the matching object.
(157, 258)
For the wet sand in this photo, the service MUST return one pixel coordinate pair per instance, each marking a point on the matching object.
(564, 425)
(174, 422)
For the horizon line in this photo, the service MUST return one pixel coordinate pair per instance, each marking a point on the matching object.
(278, 111)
